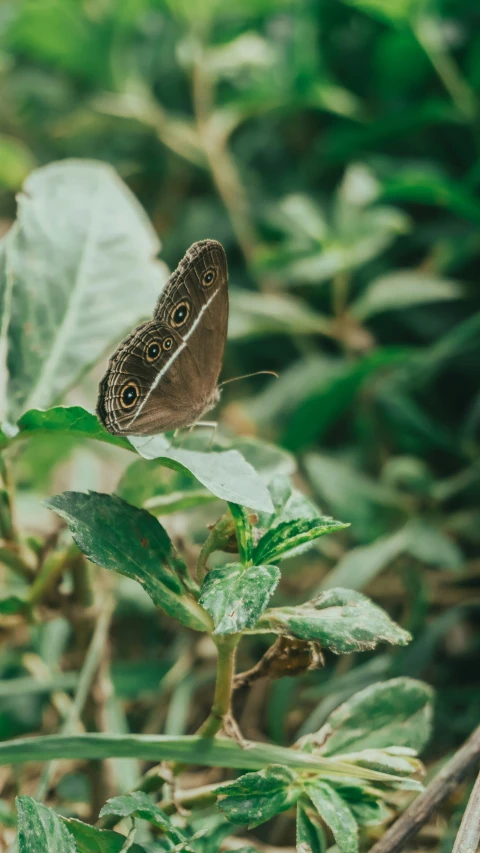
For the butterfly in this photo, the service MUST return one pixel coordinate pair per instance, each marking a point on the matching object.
(164, 375)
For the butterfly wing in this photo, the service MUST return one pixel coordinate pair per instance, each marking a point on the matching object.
(165, 374)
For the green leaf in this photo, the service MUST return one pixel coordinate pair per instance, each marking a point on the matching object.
(90, 839)
(11, 605)
(227, 475)
(73, 420)
(40, 830)
(366, 805)
(404, 289)
(140, 805)
(336, 814)
(82, 244)
(289, 503)
(257, 797)
(16, 161)
(236, 597)
(340, 619)
(396, 712)
(244, 532)
(289, 535)
(259, 314)
(310, 836)
(399, 761)
(122, 538)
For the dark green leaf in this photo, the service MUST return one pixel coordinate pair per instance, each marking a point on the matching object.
(396, 712)
(341, 620)
(289, 535)
(90, 839)
(367, 807)
(310, 835)
(227, 475)
(236, 597)
(122, 538)
(336, 814)
(256, 797)
(140, 805)
(40, 830)
(244, 532)
(11, 605)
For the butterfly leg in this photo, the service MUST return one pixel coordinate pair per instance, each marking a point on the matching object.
(213, 426)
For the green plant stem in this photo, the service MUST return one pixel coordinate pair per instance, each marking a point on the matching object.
(85, 680)
(208, 547)
(191, 799)
(222, 699)
(51, 571)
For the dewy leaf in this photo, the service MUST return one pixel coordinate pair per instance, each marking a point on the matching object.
(244, 532)
(40, 830)
(340, 619)
(140, 805)
(336, 814)
(227, 475)
(90, 839)
(256, 797)
(236, 597)
(129, 540)
(288, 535)
(83, 244)
(396, 712)
(310, 836)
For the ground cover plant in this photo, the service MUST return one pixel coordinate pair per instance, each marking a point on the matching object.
(250, 644)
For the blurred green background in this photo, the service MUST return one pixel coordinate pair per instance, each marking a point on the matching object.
(333, 148)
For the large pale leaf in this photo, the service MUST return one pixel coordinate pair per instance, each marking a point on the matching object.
(340, 619)
(40, 830)
(82, 247)
(129, 540)
(404, 289)
(236, 597)
(336, 814)
(390, 713)
(227, 475)
(257, 797)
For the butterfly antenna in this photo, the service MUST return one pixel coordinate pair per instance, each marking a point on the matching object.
(247, 376)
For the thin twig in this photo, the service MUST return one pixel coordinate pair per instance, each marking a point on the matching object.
(468, 837)
(464, 761)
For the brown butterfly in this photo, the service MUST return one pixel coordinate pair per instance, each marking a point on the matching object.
(164, 375)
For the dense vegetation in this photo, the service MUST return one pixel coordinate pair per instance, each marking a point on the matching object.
(333, 148)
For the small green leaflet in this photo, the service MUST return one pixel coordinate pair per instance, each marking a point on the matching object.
(336, 814)
(73, 420)
(40, 830)
(289, 535)
(140, 805)
(129, 540)
(310, 835)
(341, 620)
(236, 597)
(256, 797)
(244, 532)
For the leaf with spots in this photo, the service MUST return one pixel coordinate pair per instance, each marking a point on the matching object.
(236, 597)
(256, 797)
(40, 830)
(290, 535)
(123, 538)
(340, 620)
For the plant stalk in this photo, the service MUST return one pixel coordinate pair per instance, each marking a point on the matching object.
(222, 699)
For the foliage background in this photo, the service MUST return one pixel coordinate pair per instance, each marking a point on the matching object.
(332, 147)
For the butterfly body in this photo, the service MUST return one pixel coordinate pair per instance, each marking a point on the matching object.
(164, 375)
